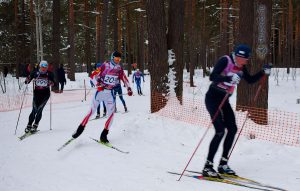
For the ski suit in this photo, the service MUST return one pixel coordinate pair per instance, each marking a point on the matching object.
(41, 93)
(137, 78)
(105, 78)
(221, 77)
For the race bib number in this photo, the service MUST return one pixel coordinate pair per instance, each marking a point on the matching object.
(41, 82)
(111, 80)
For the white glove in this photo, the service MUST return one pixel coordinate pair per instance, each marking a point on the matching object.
(267, 68)
(235, 79)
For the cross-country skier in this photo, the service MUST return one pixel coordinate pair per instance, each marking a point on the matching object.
(43, 79)
(106, 79)
(118, 92)
(93, 85)
(226, 73)
(137, 78)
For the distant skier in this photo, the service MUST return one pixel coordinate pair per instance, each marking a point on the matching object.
(118, 92)
(61, 75)
(94, 73)
(226, 73)
(137, 78)
(43, 79)
(106, 79)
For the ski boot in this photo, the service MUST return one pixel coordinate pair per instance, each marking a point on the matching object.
(125, 108)
(28, 128)
(103, 136)
(104, 114)
(78, 131)
(34, 128)
(97, 116)
(223, 168)
(209, 170)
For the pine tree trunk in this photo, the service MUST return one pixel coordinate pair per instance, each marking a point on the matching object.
(128, 40)
(297, 37)
(158, 54)
(290, 31)
(223, 28)
(115, 24)
(71, 55)
(262, 31)
(32, 34)
(192, 40)
(17, 25)
(56, 41)
(103, 30)
(141, 39)
(98, 31)
(175, 41)
(87, 43)
(245, 37)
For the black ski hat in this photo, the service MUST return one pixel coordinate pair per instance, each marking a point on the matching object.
(242, 50)
(116, 54)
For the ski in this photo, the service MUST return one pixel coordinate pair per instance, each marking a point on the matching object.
(27, 135)
(110, 146)
(242, 180)
(221, 180)
(65, 144)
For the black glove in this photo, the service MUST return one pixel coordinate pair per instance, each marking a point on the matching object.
(27, 81)
(92, 84)
(129, 91)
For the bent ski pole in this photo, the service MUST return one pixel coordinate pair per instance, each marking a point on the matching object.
(247, 115)
(230, 91)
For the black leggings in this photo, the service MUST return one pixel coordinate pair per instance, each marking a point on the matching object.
(39, 102)
(225, 119)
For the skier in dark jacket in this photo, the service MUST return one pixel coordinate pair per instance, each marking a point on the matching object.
(61, 75)
(226, 74)
(43, 79)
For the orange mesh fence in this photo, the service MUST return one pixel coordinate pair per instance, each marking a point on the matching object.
(275, 126)
(13, 102)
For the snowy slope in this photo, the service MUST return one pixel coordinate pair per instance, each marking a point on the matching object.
(156, 145)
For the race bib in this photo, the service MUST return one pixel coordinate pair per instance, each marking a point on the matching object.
(110, 79)
(41, 82)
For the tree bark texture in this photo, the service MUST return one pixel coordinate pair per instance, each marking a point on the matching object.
(158, 54)
(87, 43)
(175, 39)
(56, 41)
(71, 50)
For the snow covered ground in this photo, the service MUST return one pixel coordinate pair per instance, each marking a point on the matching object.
(156, 145)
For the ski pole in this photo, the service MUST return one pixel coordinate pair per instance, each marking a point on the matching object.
(247, 115)
(230, 91)
(50, 109)
(21, 108)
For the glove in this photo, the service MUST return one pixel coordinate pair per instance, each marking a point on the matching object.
(143, 80)
(267, 68)
(92, 84)
(27, 81)
(129, 91)
(133, 82)
(235, 79)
